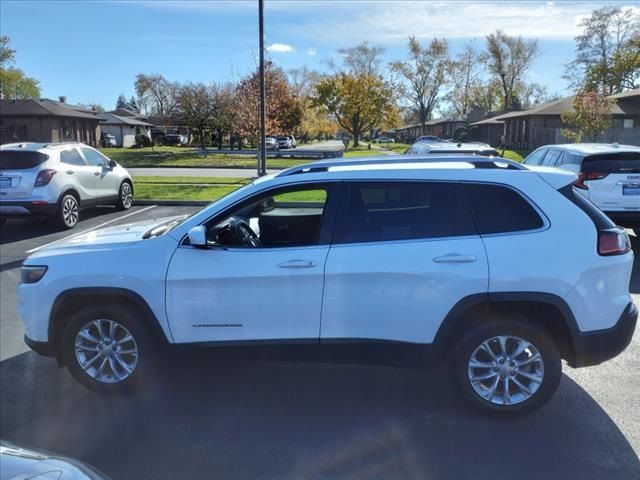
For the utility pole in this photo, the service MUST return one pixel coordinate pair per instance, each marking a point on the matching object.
(262, 147)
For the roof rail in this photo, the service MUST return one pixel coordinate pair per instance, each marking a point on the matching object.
(477, 161)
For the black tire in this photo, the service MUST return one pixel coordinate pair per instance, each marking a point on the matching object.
(483, 331)
(122, 203)
(68, 214)
(2, 222)
(145, 344)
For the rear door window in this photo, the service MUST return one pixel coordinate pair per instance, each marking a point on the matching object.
(499, 209)
(623, 162)
(385, 211)
(21, 160)
(551, 157)
(71, 157)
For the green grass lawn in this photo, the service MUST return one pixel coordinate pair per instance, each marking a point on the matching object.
(139, 179)
(157, 191)
(188, 157)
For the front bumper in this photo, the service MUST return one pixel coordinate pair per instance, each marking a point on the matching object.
(27, 209)
(593, 348)
(629, 219)
(41, 348)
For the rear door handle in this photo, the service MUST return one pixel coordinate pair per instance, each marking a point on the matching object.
(70, 172)
(297, 264)
(455, 258)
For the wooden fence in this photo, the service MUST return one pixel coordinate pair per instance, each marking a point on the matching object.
(624, 136)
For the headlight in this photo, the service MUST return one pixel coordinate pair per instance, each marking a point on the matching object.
(32, 274)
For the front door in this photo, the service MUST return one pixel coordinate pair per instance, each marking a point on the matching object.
(261, 278)
(404, 254)
(107, 183)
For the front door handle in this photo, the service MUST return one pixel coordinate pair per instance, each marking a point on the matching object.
(297, 264)
(455, 258)
(96, 173)
(70, 172)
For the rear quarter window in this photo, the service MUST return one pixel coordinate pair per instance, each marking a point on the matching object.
(499, 209)
(21, 160)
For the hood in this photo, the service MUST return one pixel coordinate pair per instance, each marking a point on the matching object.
(109, 237)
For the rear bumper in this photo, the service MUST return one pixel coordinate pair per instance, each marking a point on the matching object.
(593, 348)
(27, 209)
(625, 218)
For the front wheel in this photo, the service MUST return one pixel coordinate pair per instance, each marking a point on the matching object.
(506, 367)
(125, 196)
(107, 349)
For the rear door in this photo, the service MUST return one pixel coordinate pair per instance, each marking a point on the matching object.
(613, 180)
(404, 253)
(18, 172)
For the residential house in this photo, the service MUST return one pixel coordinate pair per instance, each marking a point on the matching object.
(47, 120)
(542, 124)
(124, 128)
(440, 127)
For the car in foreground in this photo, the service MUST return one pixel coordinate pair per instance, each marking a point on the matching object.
(286, 141)
(20, 463)
(608, 175)
(57, 180)
(440, 148)
(415, 262)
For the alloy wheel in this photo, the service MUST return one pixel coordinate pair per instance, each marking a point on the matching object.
(106, 351)
(70, 211)
(506, 370)
(126, 195)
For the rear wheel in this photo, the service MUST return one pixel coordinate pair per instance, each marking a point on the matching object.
(107, 349)
(68, 213)
(506, 367)
(125, 196)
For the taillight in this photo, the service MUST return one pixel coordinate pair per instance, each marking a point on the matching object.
(613, 242)
(44, 177)
(584, 177)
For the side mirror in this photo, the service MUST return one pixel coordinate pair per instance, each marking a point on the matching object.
(113, 164)
(198, 236)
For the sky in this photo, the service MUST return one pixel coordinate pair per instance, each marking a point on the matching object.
(91, 51)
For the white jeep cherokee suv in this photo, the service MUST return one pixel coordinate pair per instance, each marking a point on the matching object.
(499, 269)
(56, 180)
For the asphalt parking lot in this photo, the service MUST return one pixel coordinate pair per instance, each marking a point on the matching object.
(211, 419)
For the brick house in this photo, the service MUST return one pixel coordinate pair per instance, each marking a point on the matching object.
(541, 125)
(46, 120)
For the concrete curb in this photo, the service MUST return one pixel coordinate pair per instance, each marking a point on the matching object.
(175, 203)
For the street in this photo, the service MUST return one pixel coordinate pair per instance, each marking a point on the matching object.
(211, 419)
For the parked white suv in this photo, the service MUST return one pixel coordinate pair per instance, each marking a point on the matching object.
(498, 268)
(57, 180)
(608, 175)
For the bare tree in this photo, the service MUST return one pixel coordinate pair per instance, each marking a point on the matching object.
(464, 76)
(423, 75)
(508, 60)
(607, 51)
(158, 95)
(363, 59)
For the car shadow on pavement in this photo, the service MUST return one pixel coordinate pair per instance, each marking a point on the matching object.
(301, 420)
(18, 229)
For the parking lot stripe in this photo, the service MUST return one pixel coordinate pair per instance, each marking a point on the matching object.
(91, 229)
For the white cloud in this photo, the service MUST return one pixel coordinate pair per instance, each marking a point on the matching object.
(280, 48)
(311, 52)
